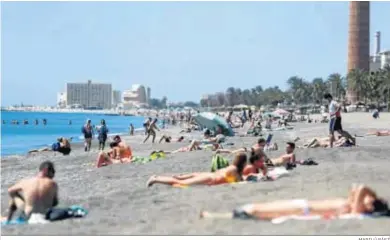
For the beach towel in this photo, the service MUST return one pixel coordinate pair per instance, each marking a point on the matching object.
(317, 217)
(53, 214)
(218, 162)
(272, 174)
(153, 156)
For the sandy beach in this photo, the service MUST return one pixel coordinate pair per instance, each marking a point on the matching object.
(119, 203)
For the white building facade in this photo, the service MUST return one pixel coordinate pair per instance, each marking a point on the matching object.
(116, 98)
(61, 100)
(89, 95)
(137, 96)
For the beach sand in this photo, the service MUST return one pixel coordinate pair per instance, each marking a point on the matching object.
(119, 203)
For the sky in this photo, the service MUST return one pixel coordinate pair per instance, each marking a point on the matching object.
(179, 49)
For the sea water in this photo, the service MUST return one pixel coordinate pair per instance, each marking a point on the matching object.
(19, 139)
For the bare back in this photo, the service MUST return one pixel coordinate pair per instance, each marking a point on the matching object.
(40, 194)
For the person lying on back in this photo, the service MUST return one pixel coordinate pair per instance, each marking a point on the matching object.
(34, 195)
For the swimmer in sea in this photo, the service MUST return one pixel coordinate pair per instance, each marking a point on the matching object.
(34, 195)
(230, 174)
(361, 200)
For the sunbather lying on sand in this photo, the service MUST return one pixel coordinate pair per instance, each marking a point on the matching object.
(169, 139)
(256, 163)
(361, 200)
(289, 157)
(379, 133)
(62, 145)
(325, 142)
(119, 153)
(196, 145)
(34, 196)
(232, 173)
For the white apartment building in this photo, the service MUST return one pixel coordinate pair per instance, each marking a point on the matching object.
(116, 98)
(89, 95)
(380, 59)
(61, 100)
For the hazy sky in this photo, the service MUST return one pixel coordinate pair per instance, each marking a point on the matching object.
(179, 49)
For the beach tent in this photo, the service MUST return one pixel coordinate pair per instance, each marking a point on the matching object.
(281, 112)
(211, 121)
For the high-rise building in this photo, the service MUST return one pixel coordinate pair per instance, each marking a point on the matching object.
(358, 40)
(61, 100)
(136, 96)
(149, 96)
(89, 95)
(380, 59)
(116, 98)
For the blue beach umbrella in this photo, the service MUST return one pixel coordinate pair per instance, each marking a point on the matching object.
(211, 121)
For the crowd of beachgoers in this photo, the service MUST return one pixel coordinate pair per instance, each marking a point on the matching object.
(36, 199)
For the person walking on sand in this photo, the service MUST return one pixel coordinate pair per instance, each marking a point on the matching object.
(87, 130)
(146, 125)
(102, 137)
(335, 120)
(34, 196)
(152, 130)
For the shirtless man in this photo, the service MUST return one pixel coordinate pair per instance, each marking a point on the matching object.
(152, 130)
(289, 157)
(34, 196)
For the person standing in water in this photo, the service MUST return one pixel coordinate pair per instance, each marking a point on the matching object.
(102, 137)
(131, 129)
(87, 130)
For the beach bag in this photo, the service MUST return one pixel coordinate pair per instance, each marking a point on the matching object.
(218, 162)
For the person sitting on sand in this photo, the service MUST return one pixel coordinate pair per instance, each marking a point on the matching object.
(117, 154)
(34, 196)
(62, 146)
(289, 157)
(230, 174)
(361, 200)
(169, 139)
(152, 130)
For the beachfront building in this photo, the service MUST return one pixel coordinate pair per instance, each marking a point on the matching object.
(61, 100)
(137, 96)
(380, 59)
(116, 98)
(89, 95)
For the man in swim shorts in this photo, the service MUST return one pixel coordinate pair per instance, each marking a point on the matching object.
(34, 196)
(152, 130)
(335, 120)
(287, 158)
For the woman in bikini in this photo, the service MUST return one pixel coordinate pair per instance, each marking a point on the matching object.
(361, 200)
(117, 154)
(232, 173)
(256, 163)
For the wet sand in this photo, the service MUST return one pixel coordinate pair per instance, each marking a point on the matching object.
(119, 202)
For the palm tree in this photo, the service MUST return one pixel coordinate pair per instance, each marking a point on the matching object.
(230, 95)
(336, 85)
(318, 87)
(357, 81)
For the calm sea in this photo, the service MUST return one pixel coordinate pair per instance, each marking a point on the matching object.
(18, 139)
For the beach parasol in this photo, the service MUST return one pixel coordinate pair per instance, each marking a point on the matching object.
(211, 121)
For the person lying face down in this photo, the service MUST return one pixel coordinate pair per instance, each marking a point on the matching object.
(230, 174)
(361, 200)
(62, 146)
(256, 163)
(169, 139)
(34, 195)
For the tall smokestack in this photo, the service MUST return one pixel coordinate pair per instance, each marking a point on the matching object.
(377, 43)
(358, 40)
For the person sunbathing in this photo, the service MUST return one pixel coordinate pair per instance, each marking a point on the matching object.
(230, 174)
(325, 142)
(289, 157)
(379, 133)
(62, 146)
(361, 200)
(256, 163)
(34, 196)
(196, 145)
(169, 139)
(117, 154)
